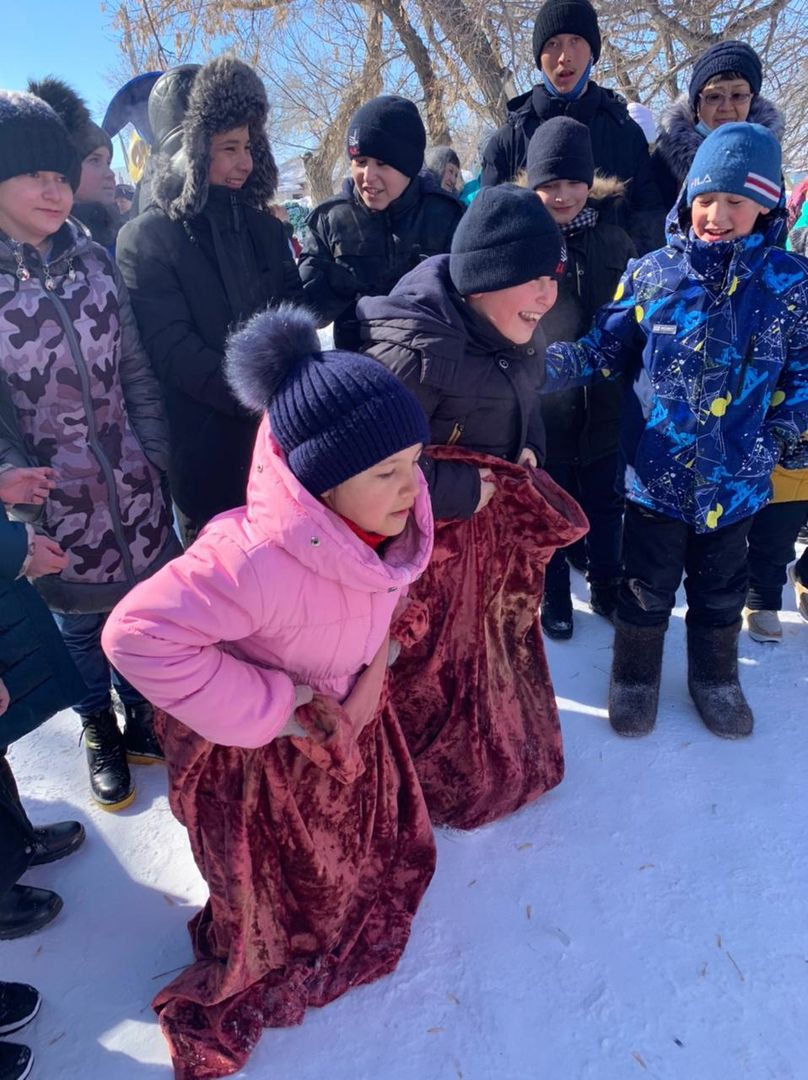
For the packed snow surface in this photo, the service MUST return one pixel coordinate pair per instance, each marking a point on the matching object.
(646, 919)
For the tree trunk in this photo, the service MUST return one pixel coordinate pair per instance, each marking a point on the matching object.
(319, 164)
(470, 42)
(437, 125)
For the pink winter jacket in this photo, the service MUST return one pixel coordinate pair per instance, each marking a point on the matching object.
(273, 595)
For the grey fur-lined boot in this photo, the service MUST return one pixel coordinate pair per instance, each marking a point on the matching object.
(712, 678)
(636, 671)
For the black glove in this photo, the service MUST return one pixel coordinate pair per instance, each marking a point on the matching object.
(343, 280)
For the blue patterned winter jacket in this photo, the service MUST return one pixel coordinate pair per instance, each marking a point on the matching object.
(712, 341)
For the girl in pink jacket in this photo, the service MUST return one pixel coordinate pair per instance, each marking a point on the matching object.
(267, 644)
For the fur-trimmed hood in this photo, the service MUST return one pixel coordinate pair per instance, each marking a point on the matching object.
(225, 94)
(679, 140)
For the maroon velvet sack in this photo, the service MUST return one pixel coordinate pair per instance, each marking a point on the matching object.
(474, 696)
(316, 852)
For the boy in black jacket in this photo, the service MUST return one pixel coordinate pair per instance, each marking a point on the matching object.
(386, 220)
(582, 423)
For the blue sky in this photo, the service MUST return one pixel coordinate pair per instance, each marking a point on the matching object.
(68, 38)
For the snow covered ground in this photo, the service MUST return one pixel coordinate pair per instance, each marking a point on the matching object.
(647, 919)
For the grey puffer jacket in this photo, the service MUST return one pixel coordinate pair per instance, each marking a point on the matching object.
(80, 397)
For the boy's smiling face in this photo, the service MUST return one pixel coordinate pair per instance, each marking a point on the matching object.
(565, 199)
(718, 215)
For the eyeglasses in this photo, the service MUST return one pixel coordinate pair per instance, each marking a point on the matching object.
(714, 98)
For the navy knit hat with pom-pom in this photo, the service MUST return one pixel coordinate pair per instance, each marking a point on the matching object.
(333, 413)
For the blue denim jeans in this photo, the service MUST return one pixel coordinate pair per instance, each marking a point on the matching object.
(82, 636)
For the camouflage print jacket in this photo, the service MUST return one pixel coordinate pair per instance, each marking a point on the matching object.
(77, 393)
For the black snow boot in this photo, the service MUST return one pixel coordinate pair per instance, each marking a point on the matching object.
(16, 1061)
(712, 679)
(110, 782)
(142, 747)
(556, 615)
(603, 598)
(636, 671)
(24, 910)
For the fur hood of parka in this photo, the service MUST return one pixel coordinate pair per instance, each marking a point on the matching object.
(278, 594)
(226, 93)
(679, 140)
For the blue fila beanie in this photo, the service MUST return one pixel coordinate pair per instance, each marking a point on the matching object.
(739, 159)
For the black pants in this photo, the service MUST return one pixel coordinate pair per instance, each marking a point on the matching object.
(16, 831)
(771, 548)
(593, 486)
(657, 549)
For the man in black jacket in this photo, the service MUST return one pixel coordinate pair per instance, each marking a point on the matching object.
(566, 44)
(386, 220)
(203, 257)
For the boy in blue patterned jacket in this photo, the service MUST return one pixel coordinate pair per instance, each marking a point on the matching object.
(711, 336)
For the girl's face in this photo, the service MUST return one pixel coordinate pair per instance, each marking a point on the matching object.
(230, 158)
(565, 199)
(722, 216)
(35, 205)
(378, 184)
(97, 178)
(724, 101)
(515, 312)
(379, 500)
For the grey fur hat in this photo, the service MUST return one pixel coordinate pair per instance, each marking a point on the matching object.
(225, 94)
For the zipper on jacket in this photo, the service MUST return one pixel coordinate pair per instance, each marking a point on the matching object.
(234, 212)
(103, 460)
(579, 273)
(741, 380)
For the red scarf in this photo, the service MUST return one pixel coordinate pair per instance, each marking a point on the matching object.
(374, 540)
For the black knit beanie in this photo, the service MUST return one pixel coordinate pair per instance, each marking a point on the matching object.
(560, 149)
(505, 238)
(390, 129)
(722, 58)
(566, 17)
(334, 413)
(73, 112)
(33, 138)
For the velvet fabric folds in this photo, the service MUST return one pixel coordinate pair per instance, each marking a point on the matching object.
(316, 851)
(474, 696)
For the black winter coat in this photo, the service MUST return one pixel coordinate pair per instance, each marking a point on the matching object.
(478, 389)
(618, 145)
(583, 424)
(190, 282)
(351, 251)
(34, 664)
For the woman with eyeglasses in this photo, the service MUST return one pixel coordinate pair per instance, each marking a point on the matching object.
(724, 89)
